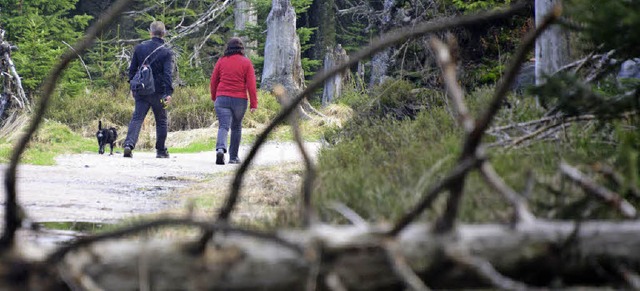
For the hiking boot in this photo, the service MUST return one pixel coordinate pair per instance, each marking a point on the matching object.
(127, 152)
(235, 161)
(163, 154)
(220, 157)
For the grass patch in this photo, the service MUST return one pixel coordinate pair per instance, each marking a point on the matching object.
(51, 140)
(380, 165)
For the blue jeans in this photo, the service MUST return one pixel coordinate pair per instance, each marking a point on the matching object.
(143, 104)
(230, 112)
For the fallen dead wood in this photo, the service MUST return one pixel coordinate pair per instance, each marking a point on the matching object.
(535, 253)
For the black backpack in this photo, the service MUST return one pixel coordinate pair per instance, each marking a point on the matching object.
(142, 82)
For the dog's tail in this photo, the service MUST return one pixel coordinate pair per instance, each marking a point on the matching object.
(99, 124)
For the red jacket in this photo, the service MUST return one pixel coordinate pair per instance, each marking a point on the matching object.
(233, 76)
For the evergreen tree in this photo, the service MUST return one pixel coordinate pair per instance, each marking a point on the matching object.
(42, 30)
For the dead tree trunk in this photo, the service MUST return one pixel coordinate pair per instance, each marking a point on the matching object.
(245, 16)
(358, 258)
(13, 99)
(381, 61)
(282, 63)
(333, 86)
(552, 47)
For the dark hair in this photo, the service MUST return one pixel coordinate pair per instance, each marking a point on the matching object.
(234, 47)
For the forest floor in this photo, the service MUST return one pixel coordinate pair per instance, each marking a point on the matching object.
(95, 188)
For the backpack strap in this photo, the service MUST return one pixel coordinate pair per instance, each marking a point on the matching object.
(150, 54)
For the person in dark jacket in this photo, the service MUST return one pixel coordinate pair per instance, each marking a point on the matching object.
(232, 77)
(156, 53)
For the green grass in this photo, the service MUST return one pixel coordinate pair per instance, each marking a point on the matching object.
(196, 147)
(51, 140)
(381, 167)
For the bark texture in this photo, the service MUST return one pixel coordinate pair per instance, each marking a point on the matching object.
(536, 253)
(333, 86)
(381, 61)
(282, 63)
(552, 47)
(245, 16)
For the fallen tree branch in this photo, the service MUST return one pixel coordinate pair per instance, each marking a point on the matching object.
(519, 204)
(616, 178)
(604, 194)
(544, 129)
(61, 252)
(402, 269)
(357, 259)
(486, 271)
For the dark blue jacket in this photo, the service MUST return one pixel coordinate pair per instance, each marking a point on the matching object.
(161, 61)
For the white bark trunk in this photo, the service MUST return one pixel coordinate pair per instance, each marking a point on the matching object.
(552, 47)
(282, 63)
(245, 15)
(540, 252)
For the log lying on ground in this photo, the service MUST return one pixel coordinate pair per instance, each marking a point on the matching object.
(537, 253)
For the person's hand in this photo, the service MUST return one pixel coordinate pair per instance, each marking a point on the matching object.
(253, 110)
(167, 99)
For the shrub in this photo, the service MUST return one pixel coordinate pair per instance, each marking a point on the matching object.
(380, 167)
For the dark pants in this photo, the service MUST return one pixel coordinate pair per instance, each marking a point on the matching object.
(230, 112)
(143, 103)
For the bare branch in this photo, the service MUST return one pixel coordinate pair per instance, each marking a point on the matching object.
(485, 270)
(452, 179)
(544, 129)
(60, 253)
(402, 268)
(81, 60)
(350, 215)
(12, 220)
(616, 178)
(519, 204)
(448, 66)
(528, 123)
(505, 82)
(604, 194)
(474, 138)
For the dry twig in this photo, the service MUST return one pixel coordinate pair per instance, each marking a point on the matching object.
(519, 204)
(446, 62)
(616, 178)
(401, 268)
(485, 270)
(604, 194)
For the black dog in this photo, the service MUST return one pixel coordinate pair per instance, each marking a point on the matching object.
(106, 136)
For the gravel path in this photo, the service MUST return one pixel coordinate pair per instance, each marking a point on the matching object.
(101, 188)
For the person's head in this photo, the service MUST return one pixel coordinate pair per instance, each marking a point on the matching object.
(234, 46)
(157, 29)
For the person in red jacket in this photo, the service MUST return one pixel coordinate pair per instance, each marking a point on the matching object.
(232, 78)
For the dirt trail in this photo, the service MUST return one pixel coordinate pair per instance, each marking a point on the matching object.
(101, 188)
